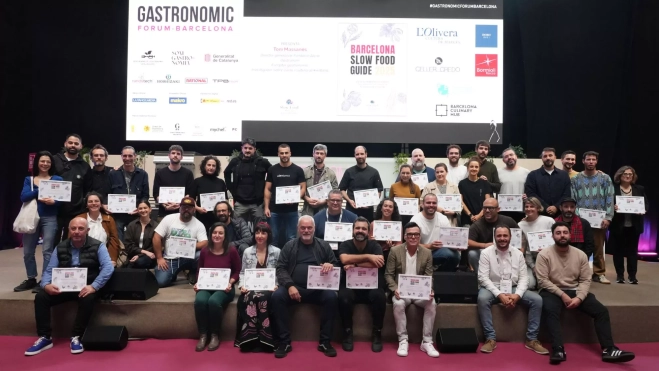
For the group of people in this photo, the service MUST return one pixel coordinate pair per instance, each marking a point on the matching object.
(282, 239)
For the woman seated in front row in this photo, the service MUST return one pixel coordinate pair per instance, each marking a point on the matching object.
(254, 327)
(101, 225)
(138, 238)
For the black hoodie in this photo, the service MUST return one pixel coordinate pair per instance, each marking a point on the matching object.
(245, 178)
(79, 173)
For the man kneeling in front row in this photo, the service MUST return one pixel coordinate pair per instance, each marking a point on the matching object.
(79, 251)
(564, 280)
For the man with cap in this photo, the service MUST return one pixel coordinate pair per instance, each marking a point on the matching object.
(581, 233)
(182, 227)
(245, 179)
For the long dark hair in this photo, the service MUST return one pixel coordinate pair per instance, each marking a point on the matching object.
(395, 216)
(225, 243)
(35, 163)
(411, 185)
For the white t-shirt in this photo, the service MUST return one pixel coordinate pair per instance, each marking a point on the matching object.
(430, 228)
(543, 223)
(512, 181)
(456, 174)
(171, 225)
(410, 261)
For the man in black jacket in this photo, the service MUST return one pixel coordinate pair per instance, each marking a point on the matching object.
(245, 178)
(294, 259)
(238, 232)
(128, 180)
(548, 184)
(101, 173)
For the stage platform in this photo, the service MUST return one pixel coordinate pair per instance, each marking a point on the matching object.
(633, 309)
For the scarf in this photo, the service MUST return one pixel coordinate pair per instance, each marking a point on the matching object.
(576, 229)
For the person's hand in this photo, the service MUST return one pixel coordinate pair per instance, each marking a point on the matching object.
(605, 224)
(397, 295)
(352, 204)
(524, 196)
(195, 288)
(566, 299)
(87, 290)
(114, 263)
(133, 212)
(484, 177)
(47, 201)
(294, 294)
(449, 213)
(390, 244)
(551, 210)
(575, 302)
(228, 287)
(615, 207)
(377, 260)
(105, 207)
(348, 267)
(134, 258)
(162, 264)
(312, 201)
(477, 217)
(266, 212)
(504, 299)
(514, 299)
(440, 210)
(243, 290)
(326, 267)
(201, 210)
(473, 218)
(436, 245)
(432, 294)
(372, 238)
(169, 206)
(150, 254)
(52, 289)
(275, 289)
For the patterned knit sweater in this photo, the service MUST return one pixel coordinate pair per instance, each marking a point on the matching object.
(593, 192)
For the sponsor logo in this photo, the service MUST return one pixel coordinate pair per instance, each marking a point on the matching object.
(144, 100)
(220, 58)
(148, 55)
(486, 35)
(178, 100)
(141, 80)
(196, 80)
(168, 80)
(177, 126)
(147, 58)
(445, 90)
(210, 100)
(454, 110)
(217, 130)
(441, 110)
(289, 102)
(147, 128)
(442, 90)
(439, 61)
(486, 65)
(179, 58)
(220, 81)
(289, 107)
(438, 35)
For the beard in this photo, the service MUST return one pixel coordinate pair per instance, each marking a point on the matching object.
(72, 150)
(361, 160)
(360, 237)
(222, 218)
(548, 163)
(418, 164)
(562, 242)
(186, 216)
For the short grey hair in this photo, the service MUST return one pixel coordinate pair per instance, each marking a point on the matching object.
(320, 147)
(306, 217)
(335, 192)
(129, 147)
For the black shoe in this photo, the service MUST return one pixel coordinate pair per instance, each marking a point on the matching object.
(192, 278)
(376, 341)
(282, 350)
(633, 280)
(28, 284)
(615, 355)
(620, 279)
(557, 356)
(347, 343)
(37, 288)
(327, 349)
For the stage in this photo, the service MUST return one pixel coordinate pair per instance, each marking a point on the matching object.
(170, 314)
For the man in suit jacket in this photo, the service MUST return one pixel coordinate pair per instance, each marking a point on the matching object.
(408, 258)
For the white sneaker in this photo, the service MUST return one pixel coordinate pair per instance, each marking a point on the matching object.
(402, 348)
(604, 280)
(429, 349)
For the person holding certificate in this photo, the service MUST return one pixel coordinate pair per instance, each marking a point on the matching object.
(626, 227)
(411, 259)
(77, 251)
(284, 181)
(253, 304)
(292, 275)
(474, 191)
(405, 188)
(513, 178)
(358, 178)
(42, 169)
(502, 276)
(333, 214)
(430, 221)
(533, 222)
(139, 238)
(362, 258)
(387, 211)
(208, 182)
(209, 305)
(318, 176)
(101, 225)
(172, 175)
(441, 186)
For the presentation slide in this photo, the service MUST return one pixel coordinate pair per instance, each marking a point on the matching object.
(309, 70)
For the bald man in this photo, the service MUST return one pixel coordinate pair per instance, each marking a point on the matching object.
(358, 178)
(78, 251)
(419, 166)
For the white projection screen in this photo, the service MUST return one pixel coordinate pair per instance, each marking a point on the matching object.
(378, 71)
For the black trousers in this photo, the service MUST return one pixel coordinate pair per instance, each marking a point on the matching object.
(62, 228)
(143, 262)
(375, 298)
(43, 302)
(366, 212)
(280, 302)
(552, 306)
(626, 246)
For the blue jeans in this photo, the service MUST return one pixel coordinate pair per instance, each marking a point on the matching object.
(531, 299)
(167, 277)
(121, 220)
(446, 259)
(284, 227)
(48, 228)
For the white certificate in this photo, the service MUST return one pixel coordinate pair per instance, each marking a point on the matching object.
(387, 231)
(213, 278)
(367, 197)
(594, 217)
(320, 190)
(407, 206)
(171, 195)
(260, 279)
(362, 278)
(181, 247)
(287, 195)
(414, 287)
(450, 202)
(209, 200)
(337, 232)
(317, 280)
(540, 240)
(515, 239)
(630, 204)
(55, 189)
(420, 179)
(69, 279)
(455, 238)
(511, 202)
(122, 204)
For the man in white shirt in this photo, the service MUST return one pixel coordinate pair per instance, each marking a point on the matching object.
(503, 279)
(456, 172)
(181, 225)
(512, 178)
(430, 221)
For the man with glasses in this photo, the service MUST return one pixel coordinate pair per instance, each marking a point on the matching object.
(333, 213)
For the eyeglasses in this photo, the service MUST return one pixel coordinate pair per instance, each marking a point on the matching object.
(413, 235)
(335, 201)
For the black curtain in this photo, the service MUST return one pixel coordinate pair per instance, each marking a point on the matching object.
(578, 75)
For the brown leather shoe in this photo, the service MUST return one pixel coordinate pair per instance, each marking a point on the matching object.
(201, 345)
(214, 343)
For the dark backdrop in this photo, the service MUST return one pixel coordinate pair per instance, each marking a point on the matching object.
(578, 75)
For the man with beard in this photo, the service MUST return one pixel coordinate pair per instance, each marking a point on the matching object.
(101, 173)
(564, 280)
(512, 179)
(292, 269)
(128, 180)
(569, 159)
(72, 168)
(488, 171)
(283, 217)
(360, 252)
(430, 222)
(358, 178)
(456, 172)
(419, 166)
(548, 184)
(316, 174)
(581, 232)
(245, 179)
(182, 225)
(593, 190)
(238, 232)
(173, 175)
